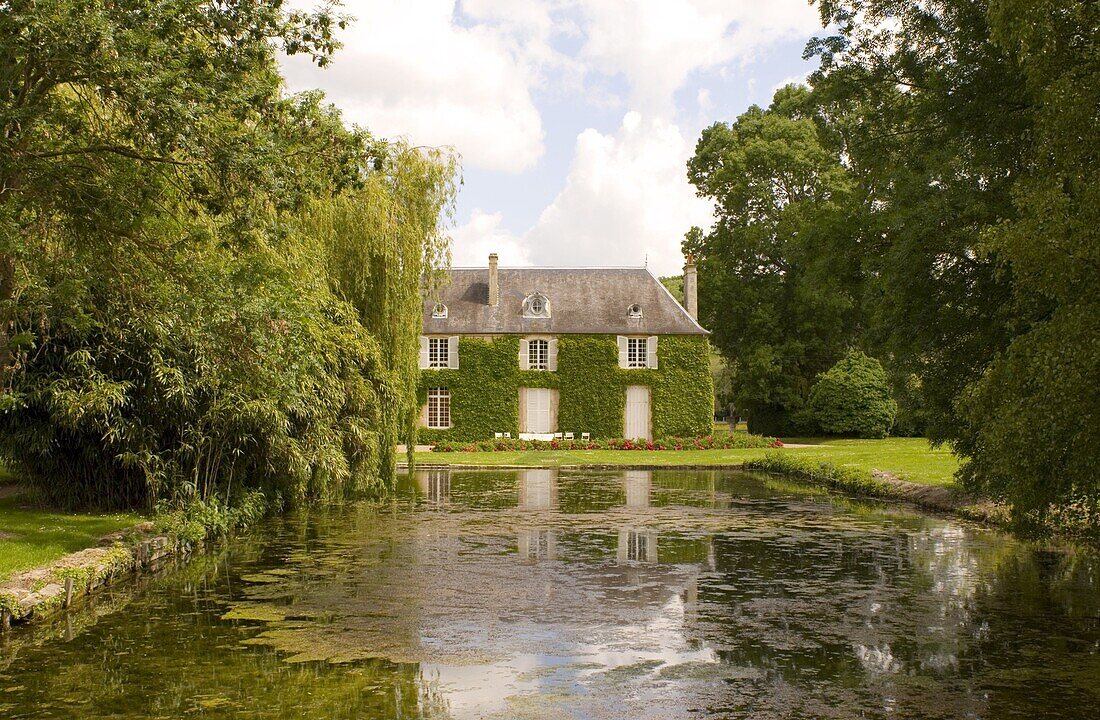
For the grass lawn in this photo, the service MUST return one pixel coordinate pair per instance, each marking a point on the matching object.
(30, 536)
(909, 458)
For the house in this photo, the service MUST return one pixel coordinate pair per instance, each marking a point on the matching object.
(535, 352)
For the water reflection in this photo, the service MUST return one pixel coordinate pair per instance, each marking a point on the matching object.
(435, 485)
(547, 593)
(538, 489)
(637, 485)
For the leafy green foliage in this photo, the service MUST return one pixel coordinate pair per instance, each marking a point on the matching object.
(204, 285)
(972, 125)
(592, 386)
(1032, 421)
(853, 398)
(964, 135)
(675, 285)
(779, 275)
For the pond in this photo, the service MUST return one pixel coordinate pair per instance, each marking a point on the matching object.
(570, 594)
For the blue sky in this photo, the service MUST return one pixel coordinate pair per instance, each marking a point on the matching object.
(573, 118)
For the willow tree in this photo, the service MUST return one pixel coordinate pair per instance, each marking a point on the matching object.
(385, 247)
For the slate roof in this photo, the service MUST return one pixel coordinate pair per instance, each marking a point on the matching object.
(582, 300)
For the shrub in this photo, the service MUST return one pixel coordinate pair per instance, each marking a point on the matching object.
(853, 398)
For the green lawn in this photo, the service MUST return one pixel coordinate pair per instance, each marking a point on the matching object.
(31, 536)
(908, 458)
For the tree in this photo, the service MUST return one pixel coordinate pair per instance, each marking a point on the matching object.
(853, 398)
(780, 276)
(1032, 420)
(975, 135)
(171, 325)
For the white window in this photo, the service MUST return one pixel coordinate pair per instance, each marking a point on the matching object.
(634, 311)
(439, 408)
(636, 351)
(439, 311)
(538, 355)
(538, 306)
(438, 352)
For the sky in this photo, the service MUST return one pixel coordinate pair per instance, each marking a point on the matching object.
(573, 119)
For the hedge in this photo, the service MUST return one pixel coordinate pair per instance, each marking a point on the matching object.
(592, 387)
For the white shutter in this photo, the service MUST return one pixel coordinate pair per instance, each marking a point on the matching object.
(423, 352)
(524, 355)
(552, 355)
(621, 340)
(651, 352)
(523, 409)
(452, 352)
(554, 398)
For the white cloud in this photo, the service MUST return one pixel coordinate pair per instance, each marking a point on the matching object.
(468, 74)
(657, 45)
(703, 100)
(625, 200)
(482, 235)
(408, 69)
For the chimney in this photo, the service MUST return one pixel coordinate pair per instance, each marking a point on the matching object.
(691, 288)
(494, 283)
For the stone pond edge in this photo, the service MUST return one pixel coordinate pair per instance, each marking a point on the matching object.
(43, 591)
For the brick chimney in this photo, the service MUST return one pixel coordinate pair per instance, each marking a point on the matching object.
(494, 283)
(691, 288)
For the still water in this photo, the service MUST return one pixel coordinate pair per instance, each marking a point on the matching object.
(547, 594)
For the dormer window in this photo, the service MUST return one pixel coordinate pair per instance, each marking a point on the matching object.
(536, 305)
(439, 311)
(634, 312)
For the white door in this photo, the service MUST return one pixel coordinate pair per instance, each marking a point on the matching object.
(637, 413)
(538, 410)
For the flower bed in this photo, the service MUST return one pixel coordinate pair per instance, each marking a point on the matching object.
(733, 441)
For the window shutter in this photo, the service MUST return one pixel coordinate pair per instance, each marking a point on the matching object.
(424, 415)
(524, 355)
(452, 352)
(523, 409)
(552, 355)
(423, 352)
(621, 340)
(554, 398)
(651, 352)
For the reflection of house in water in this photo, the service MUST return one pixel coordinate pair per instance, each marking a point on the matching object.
(538, 544)
(637, 545)
(637, 485)
(537, 490)
(435, 485)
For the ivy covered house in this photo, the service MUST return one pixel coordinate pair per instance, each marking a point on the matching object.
(538, 351)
